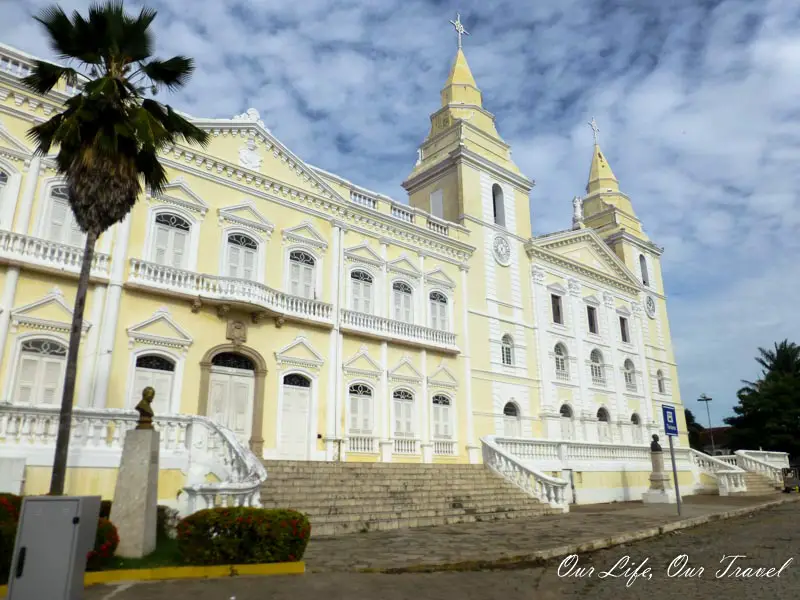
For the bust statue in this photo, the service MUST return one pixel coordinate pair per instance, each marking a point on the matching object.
(145, 409)
(655, 446)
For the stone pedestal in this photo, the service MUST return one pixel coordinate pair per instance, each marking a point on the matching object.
(136, 494)
(474, 454)
(427, 452)
(660, 491)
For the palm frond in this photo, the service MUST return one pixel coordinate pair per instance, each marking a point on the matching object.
(177, 127)
(60, 31)
(173, 72)
(155, 176)
(136, 41)
(45, 76)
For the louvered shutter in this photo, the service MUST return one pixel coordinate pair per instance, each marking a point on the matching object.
(162, 244)
(307, 279)
(234, 259)
(59, 212)
(162, 384)
(249, 264)
(366, 416)
(26, 379)
(354, 416)
(51, 380)
(240, 401)
(295, 274)
(179, 239)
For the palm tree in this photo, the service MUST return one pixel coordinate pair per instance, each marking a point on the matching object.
(107, 138)
(784, 359)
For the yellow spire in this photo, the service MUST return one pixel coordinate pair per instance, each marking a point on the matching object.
(601, 177)
(460, 87)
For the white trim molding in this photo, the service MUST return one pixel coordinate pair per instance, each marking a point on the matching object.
(179, 340)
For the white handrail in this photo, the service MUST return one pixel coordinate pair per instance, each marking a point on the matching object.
(747, 461)
(730, 478)
(547, 489)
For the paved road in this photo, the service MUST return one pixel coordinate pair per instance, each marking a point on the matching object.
(768, 539)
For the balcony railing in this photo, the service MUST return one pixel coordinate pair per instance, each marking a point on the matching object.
(406, 445)
(398, 330)
(444, 447)
(227, 289)
(47, 255)
(402, 214)
(362, 444)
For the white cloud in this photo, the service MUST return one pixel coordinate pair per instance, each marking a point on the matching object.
(697, 109)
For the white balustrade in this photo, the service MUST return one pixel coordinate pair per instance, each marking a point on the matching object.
(753, 461)
(398, 330)
(50, 255)
(192, 443)
(546, 489)
(364, 200)
(729, 459)
(444, 447)
(362, 444)
(730, 478)
(777, 459)
(403, 214)
(437, 226)
(406, 446)
(227, 289)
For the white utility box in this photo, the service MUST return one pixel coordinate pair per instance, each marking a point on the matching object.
(54, 535)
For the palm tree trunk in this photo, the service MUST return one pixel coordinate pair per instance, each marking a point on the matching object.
(65, 417)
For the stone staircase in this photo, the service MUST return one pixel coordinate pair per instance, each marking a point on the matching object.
(758, 485)
(354, 497)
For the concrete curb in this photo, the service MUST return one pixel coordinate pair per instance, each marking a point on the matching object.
(543, 556)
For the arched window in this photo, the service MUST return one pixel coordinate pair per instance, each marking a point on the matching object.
(40, 372)
(630, 375)
(603, 425)
(297, 380)
(438, 306)
(498, 205)
(171, 240)
(643, 268)
(231, 389)
(301, 274)
(242, 256)
(295, 438)
(360, 409)
(636, 424)
(361, 291)
(233, 360)
(511, 422)
(508, 350)
(403, 307)
(441, 417)
(562, 367)
(567, 430)
(596, 367)
(157, 372)
(662, 388)
(3, 180)
(403, 413)
(61, 225)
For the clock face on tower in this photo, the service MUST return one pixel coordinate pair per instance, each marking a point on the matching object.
(502, 251)
(650, 307)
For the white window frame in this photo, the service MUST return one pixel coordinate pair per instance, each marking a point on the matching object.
(644, 271)
(369, 287)
(395, 293)
(414, 425)
(661, 382)
(46, 215)
(498, 210)
(177, 377)
(517, 419)
(507, 350)
(9, 194)
(561, 362)
(448, 310)
(627, 329)
(12, 377)
(604, 427)
(318, 269)
(589, 309)
(630, 375)
(569, 420)
(259, 267)
(360, 431)
(194, 234)
(561, 303)
(636, 429)
(448, 422)
(597, 369)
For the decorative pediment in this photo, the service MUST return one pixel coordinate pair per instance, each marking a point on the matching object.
(584, 248)
(362, 365)
(159, 330)
(591, 300)
(443, 378)
(623, 310)
(305, 233)
(51, 313)
(246, 215)
(405, 372)
(299, 353)
(438, 277)
(177, 192)
(557, 288)
(404, 266)
(363, 253)
(11, 141)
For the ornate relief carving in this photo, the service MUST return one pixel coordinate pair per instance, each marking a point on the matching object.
(538, 275)
(236, 332)
(502, 251)
(574, 287)
(249, 157)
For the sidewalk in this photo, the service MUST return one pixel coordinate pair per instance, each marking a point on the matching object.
(503, 540)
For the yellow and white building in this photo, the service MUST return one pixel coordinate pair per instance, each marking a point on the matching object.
(318, 320)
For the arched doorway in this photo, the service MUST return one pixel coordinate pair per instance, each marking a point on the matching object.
(511, 422)
(295, 417)
(231, 389)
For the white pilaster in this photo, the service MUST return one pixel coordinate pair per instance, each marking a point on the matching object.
(425, 302)
(109, 324)
(25, 205)
(6, 305)
(334, 360)
(86, 384)
(616, 357)
(424, 411)
(584, 399)
(645, 368)
(473, 451)
(540, 305)
(9, 196)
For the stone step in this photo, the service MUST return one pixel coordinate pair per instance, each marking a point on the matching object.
(342, 498)
(322, 509)
(322, 529)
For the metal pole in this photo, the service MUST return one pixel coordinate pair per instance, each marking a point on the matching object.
(706, 399)
(675, 474)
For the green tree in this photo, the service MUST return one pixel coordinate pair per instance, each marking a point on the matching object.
(768, 413)
(693, 428)
(107, 138)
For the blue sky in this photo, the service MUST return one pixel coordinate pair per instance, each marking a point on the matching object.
(697, 104)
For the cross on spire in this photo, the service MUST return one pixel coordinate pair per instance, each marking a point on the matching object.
(595, 129)
(459, 28)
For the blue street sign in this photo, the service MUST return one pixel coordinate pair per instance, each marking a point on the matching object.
(670, 420)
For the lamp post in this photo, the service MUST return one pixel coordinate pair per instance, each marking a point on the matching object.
(706, 399)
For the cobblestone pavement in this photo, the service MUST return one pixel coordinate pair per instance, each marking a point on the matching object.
(768, 539)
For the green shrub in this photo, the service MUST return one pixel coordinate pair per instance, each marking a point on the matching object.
(166, 519)
(8, 533)
(243, 535)
(106, 541)
(10, 507)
